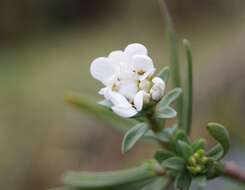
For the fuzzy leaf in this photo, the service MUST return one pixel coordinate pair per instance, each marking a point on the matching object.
(133, 135)
(169, 98)
(174, 163)
(87, 105)
(131, 179)
(182, 181)
(157, 184)
(220, 133)
(216, 152)
(181, 135)
(184, 149)
(165, 113)
(162, 155)
(165, 135)
(199, 144)
(164, 74)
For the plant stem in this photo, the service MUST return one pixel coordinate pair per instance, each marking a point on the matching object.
(187, 117)
(174, 58)
(233, 171)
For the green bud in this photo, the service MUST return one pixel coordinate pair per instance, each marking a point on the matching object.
(200, 153)
(198, 169)
(192, 161)
(196, 155)
(204, 160)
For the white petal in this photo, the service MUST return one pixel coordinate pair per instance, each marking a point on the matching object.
(102, 70)
(157, 89)
(102, 91)
(117, 57)
(158, 80)
(117, 99)
(124, 112)
(135, 49)
(139, 100)
(128, 88)
(143, 63)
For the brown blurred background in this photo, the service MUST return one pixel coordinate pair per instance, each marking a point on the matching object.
(46, 48)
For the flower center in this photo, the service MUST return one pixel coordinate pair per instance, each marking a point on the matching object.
(114, 87)
(141, 72)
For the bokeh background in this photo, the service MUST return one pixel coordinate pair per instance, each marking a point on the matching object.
(46, 48)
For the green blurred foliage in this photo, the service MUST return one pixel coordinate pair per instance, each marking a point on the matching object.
(45, 52)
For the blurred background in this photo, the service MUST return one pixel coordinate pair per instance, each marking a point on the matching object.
(46, 48)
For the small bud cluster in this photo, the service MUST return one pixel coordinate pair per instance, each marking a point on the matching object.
(197, 162)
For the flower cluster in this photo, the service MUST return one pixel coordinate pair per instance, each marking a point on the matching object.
(129, 79)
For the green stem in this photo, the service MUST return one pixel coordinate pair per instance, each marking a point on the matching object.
(189, 93)
(174, 59)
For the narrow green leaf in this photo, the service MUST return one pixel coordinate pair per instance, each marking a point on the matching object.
(169, 98)
(166, 113)
(164, 74)
(162, 155)
(187, 109)
(131, 179)
(221, 134)
(157, 184)
(216, 152)
(174, 56)
(87, 105)
(174, 163)
(133, 135)
(184, 149)
(199, 144)
(182, 181)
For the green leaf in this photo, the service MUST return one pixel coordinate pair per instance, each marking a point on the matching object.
(182, 181)
(174, 163)
(166, 113)
(161, 155)
(216, 152)
(200, 180)
(199, 144)
(87, 105)
(214, 169)
(181, 135)
(184, 149)
(131, 179)
(133, 135)
(187, 109)
(169, 98)
(174, 56)
(165, 135)
(220, 133)
(164, 74)
(157, 184)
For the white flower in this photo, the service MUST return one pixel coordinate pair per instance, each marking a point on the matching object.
(157, 89)
(127, 78)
